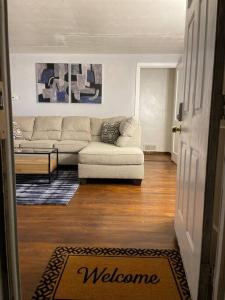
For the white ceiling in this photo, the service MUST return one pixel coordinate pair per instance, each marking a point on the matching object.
(96, 26)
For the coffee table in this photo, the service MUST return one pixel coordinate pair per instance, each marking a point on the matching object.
(37, 161)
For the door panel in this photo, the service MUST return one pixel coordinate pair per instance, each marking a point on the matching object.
(178, 100)
(201, 56)
(190, 59)
(198, 74)
(192, 197)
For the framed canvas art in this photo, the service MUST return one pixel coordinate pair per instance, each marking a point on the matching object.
(52, 81)
(86, 83)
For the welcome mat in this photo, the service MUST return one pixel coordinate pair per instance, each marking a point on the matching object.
(33, 189)
(113, 274)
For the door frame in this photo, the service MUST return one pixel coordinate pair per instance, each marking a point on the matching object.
(216, 113)
(178, 99)
(155, 65)
(9, 261)
(215, 116)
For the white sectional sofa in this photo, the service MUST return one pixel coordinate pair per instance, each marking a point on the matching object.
(78, 140)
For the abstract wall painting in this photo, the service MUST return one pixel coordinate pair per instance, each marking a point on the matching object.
(55, 85)
(52, 83)
(86, 83)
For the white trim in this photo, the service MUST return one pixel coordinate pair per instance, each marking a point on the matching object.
(170, 65)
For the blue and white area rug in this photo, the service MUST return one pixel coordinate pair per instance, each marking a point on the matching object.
(33, 189)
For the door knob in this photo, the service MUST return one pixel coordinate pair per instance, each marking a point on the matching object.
(176, 129)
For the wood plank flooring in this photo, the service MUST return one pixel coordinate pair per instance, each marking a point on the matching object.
(157, 157)
(104, 214)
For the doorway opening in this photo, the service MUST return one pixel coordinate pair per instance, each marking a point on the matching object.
(101, 214)
(158, 93)
(105, 214)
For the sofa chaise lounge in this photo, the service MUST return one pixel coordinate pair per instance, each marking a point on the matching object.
(78, 140)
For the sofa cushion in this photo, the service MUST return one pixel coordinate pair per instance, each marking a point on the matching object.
(47, 128)
(127, 126)
(130, 141)
(38, 144)
(26, 125)
(76, 128)
(111, 171)
(122, 141)
(17, 143)
(68, 159)
(96, 138)
(96, 124)
(97, 153)
(70, 146)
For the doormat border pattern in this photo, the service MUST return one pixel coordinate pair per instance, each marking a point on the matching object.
(52, 273)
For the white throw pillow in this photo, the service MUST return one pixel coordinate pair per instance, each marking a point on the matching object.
(127, 127)
(17, 132)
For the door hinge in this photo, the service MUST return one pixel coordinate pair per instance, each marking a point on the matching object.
(2, 125)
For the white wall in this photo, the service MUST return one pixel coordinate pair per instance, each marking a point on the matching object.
(157, 95)
(119, 76)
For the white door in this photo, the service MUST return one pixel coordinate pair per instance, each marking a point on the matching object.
(198, 75)
(178, 99)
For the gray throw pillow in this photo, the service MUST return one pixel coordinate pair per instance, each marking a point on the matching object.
(17, 132)
(110, 132)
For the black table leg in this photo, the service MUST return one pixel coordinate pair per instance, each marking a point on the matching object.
(49, 168)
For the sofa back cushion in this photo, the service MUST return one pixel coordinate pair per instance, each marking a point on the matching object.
(76, 128)
(96, 126)
(47, 128)
(26, 125)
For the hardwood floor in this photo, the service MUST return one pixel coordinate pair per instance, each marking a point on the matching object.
(157, 157)
(106, 214)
